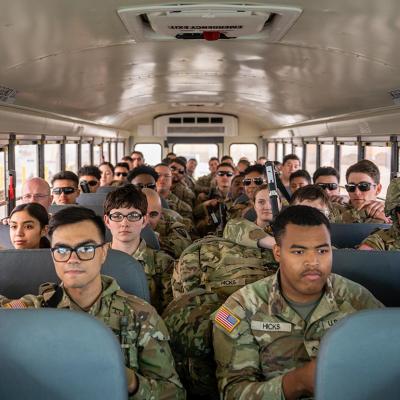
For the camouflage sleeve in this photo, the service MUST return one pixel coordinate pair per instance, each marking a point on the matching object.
(375, 241)
(238, 361)
(164, 268)
(200, 211)
(156, 373)
(244, 232)
(185, 210)
(176, 241)
(28, 301)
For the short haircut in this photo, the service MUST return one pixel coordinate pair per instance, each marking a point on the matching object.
(255, 168)
(238, 177)
(122, 165)
(91, 170)
(226, 157)
(228, 165)
(184, 159)
(127, 196)
(142, 170)
(245, 162)
(326, 171)
(365, 167)
(290, 157)
(171, 153)
(69, 175)
(310, 192)
(161, 164)
(213, 159)
(35, 210)
(73, 215)
(179, 161)
(137, 152)
(297, 215)
(127, 158)
(300, 173)
(108, 164)
(193, 159)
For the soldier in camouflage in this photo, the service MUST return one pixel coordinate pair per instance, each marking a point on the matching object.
(77, 237)
(387, 239)
(125, 212)
(267, 334)
(179, 187)
(206, 182)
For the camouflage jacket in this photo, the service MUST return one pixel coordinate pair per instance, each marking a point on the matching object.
(190, 182)
(239, 209)
(181, 191)
(258, 337)
(204, 183)
(158, 267)
(347, 214)
(220, 266)
(182, 208)
(384, 239)
(148, 353)
(172, 235)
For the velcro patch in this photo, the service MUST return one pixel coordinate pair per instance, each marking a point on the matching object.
(271, 326)
(226, 319)
(15, 304)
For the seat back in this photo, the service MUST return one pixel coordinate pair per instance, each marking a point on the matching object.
(251, 215)
(359, 357)
(378, 271)
(106, 189)
(91, 199)
(98, 209)
(150, 237)
(351, 235)
(23, 271)
(164, 203)
(55, 354)
(5, 241)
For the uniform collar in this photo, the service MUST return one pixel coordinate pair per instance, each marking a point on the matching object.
(140, 252)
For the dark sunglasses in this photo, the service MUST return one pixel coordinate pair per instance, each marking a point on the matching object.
(91, 183)
(225, 173)
(362, 186)
(145, 185)
(124, 174)
(257, 181)
(180, 171)
(154, 214)
(66, 190)
(329, 186)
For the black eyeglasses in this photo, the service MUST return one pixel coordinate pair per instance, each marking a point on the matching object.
(225, 173)
(257, 181)
(154, 214)
(66, 190)
(329, 186)
(90, 183)
(145, 185)
(124, 174)
(133, 216)
(85, 252)
(362, 186)
(180, 171)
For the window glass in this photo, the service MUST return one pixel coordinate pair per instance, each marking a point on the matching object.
(327, 155)
(106, 152)
(26, 164)
(97, 154)
(71, 157)
(152, 152)
(3, 204)
(271, 151)
(239, 150)
(311, 158)
(381, 157)
(348, 156)
(298, 150)
(279, 156)
(120, 150)
(52, 163)
(288, 148)
(201, 152)
(85, 154)
(113, 154)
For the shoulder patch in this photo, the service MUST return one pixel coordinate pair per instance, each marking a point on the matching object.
(226, 319)
(15, 304)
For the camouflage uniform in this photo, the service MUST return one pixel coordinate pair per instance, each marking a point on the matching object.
(172, 235)
(180, 190)
(388, 239)
(238, 209)
(190, 182)
(145, 346)
(205, 183)
(182, 208)
(158, 267)
(347, 214)
(258, 337)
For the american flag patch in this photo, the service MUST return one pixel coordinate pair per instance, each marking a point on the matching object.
(226, 319)
(15, 304)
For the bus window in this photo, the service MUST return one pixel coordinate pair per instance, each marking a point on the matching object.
(239, 150)
(348, 156)
(201, 152)
(26, 164)
(279, 150)
(311, 158)
(51, 161)
(3, 204)
(106, 151)
(271, 151)
(96, 154)
(152, 152)
(85, 154)
(328, 155)
(381, 157)
(71, 157)
(288, 148)
(113, 150)
(120, 150)
(298, 150)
